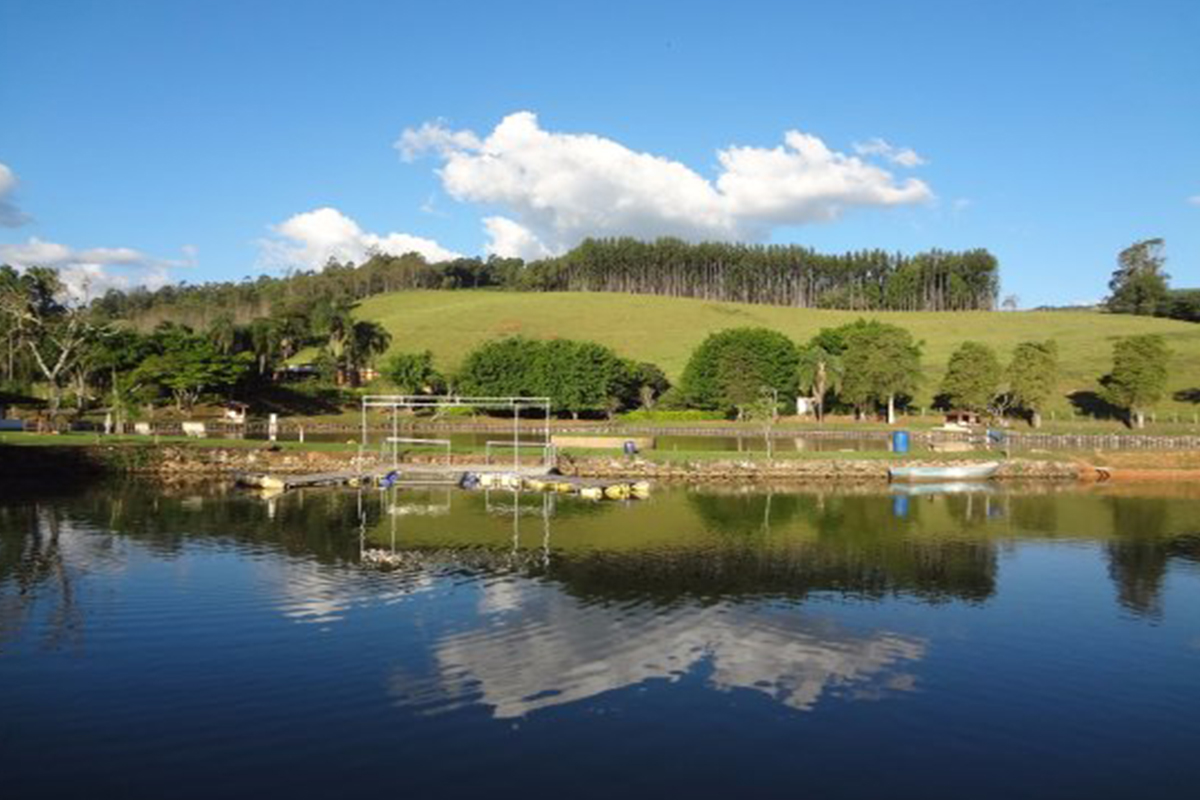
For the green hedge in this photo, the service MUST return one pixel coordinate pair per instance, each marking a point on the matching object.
(688, 415)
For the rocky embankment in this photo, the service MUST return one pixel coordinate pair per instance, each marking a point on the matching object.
(168, 462)
(181, 462)
(795, 469)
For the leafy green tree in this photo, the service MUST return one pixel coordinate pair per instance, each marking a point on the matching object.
(1184, 304)
(14, 356)
(1033, 376)
(579, 376)
(190, 364)
(972, 377)
(55, 330)
(820, 372)
(414, 373)
(881, 362)
(110, 364)
(730, 368)
(505, 367)
(833, 340)
(648, 383)
(1139, 375)
(1139, 284)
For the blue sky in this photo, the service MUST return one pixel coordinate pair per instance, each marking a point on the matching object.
(151, 141)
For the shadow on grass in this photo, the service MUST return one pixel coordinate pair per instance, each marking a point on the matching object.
(286, 401)
(1092, 404)
(1188, 395)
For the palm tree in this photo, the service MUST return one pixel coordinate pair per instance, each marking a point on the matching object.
(364, 341)
(223, 332)
(340, 324)
(820, 371)
(264, 343)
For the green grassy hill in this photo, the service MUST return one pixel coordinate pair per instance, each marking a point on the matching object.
(665, 330)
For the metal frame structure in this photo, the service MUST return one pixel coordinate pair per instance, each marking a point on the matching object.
(545, 508)
(395, 402)
(549, 452)
(396, 441)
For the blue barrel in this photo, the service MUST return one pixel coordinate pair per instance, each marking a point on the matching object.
(900, 442)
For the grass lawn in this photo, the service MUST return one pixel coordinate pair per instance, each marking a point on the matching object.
(686, 456)
(92, 439)
(666, 330)
(657, 456)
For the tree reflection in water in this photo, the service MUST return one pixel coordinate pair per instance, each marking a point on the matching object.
(43, 557)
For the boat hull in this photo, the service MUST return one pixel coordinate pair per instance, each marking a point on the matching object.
(973, 472)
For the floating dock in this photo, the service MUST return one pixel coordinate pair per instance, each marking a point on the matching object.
(536, 479)
(282, 481)
(590, 488)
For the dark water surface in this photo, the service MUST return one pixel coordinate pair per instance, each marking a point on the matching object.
(793, 643)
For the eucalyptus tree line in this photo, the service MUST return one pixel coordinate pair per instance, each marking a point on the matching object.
(789, 275)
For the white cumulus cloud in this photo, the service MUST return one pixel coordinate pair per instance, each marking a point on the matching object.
(309, 240)
(903, 156)
(10, 215)
(91, 272)
(558, 188)
(507, 238)
(434, 136)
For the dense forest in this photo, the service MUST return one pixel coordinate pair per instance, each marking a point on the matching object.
(298, 292)
(789, 275)
(775, 274)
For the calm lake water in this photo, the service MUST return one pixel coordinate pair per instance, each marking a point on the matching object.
(793, 643)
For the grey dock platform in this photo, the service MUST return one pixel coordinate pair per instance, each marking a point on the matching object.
(409, 474)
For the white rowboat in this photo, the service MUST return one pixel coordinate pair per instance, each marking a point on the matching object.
(971, 472)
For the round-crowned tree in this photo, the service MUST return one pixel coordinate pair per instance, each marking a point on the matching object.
(502, 368)
(972, 377)
(1139, 375)
(730, 370)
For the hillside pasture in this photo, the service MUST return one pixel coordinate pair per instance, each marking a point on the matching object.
(666, 330)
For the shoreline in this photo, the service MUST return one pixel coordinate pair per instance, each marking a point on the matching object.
(182, 462)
